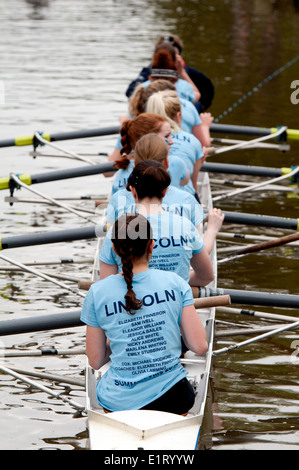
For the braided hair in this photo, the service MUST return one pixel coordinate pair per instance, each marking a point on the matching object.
(132, 130)
(131, 236)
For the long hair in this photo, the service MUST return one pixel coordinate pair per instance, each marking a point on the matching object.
(131, 236)
(167, 104)
(150, 179)
(137, 102)
(132, 130)
(151, 147)
(164, 63)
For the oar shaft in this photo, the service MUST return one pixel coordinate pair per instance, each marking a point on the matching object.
(112, 130)
(41, 387)
(228, 168)
(261, 220)
(257, 338)
(53, 321)
(52, 237)
(251, 130)
(253, 298)
(240, 130)
(82, 134)
(253, 313)
(58, 175)
(88, 170)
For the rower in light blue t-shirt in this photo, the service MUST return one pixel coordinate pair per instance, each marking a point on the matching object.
(120, 178)
(190, 116)
(176, 241)
(187, 147)
(183, 88)
(175, 200)
(141, 369)
(177, 170)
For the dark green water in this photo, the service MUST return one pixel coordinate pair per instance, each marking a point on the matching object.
(65, 66)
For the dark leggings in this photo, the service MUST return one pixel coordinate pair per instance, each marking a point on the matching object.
(179, 399)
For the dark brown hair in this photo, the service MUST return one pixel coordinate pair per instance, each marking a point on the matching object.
(131, 236)
(164, 60)
(149, 178)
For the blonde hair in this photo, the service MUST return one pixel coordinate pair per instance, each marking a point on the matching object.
(150, 147)
(166, 104)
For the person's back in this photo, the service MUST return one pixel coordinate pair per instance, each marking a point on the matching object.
(175, 200)
(176, 242)
(146, 346)
(136, 319)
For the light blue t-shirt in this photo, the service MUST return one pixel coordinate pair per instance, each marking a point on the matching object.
(187, 147)
(190, 116)
(177, 171)
(120, 178)
(183, 88)
(146, 346)
(176, 241)
(175, 200)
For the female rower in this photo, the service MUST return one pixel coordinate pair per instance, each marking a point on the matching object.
(131, 131)
(192, 122)
(152, 147)
(167, 64)
(177, 242)
(202, 82)
(185, 145)
(120, 308)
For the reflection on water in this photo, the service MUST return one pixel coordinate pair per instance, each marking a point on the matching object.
(65, 65)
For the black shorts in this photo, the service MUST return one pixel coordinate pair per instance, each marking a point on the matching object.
(179, 399)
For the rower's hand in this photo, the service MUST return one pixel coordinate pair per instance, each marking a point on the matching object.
(180, 64)
(216, 218)
(206, 119)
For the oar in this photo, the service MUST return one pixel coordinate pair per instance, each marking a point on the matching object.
(260, 220)
(254, 313)
(53, 378)
(246, 144)
(112, 130)
(257, 338)
(56, 137)
(53, 237)
(72, 319)
(42, 387)
(245, 237)
(53, 321)
(292, 134)
(257, 185)
(261, 246)
(6, 183)
(44, 276)
(228, 168)
(50, 200)
(244, 297)
(51, 351)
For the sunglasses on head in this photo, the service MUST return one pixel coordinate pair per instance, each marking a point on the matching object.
(173, 42)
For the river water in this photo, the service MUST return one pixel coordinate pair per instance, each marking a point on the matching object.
(65, 65)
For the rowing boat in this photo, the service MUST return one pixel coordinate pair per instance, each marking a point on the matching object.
(155, 430)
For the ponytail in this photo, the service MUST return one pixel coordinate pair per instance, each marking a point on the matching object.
(131, 236)
(167, 104)
(150, 179)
